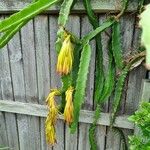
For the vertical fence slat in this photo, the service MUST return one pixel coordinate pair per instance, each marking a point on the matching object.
(43, 66)
(3, 133)
(55, 79)
(101, 130)
(83, 128)
(16, 64)
(6, 89)
(28, 50)
(71, 139)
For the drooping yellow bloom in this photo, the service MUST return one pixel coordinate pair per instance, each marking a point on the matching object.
(68, 112)
(50, 131)
(52, 117)
(65, 57)
(53, 109)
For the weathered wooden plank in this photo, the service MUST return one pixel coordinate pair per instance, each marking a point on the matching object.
(3, 133)
(127, 30)
(88, 104)
(99, 6)
(41, 111)
(16, 65)
(133, 86)
(6, 88)
(102, 130)
(145, 94)
(55, 80)
(134, 80)
(73, 25)
(144, 97)
(43, 66)
(29, 68)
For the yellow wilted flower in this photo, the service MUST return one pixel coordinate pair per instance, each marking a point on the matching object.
(50, 131)
(52, 117)
(65, 57)
(52, 104)
(68, 112)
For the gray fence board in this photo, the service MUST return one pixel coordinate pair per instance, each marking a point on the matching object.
(55, 79)
(3, 133)
(42, 64)
(29, 68)
(99, 6)
(6, 89)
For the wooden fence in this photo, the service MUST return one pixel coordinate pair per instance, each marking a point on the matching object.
(27, 72)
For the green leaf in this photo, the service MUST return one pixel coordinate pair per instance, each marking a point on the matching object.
(8, 35)
(119, 87)
(116, 45)
(106, 92)
(110, 77)
(66, 83)
(64, 12)
(81, 84)
(98, 30)
(26, 14)
(118, 93)
(99, 78)
(92, 128)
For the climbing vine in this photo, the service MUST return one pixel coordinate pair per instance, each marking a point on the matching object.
(73, 63)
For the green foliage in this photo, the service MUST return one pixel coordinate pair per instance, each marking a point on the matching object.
(64, 12)
(7, 36)
(110, 78)
(99, 73)
(106, 92)
(92, 129)
(81, 84)
(116, 45)
(98, 30)
(119, 87)
(4, 147)
(118, 93)
(141, 118)
(15, 22)
(27, 13)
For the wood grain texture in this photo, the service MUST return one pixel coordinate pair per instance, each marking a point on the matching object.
(71, 140)
(17, 74)
(41, 111)
(88, 103)
(127, 30)
(55, 80)
(98, 6)
(30, 78)
(144, 97)
(6, 89)
(43, 66)
(3, 133)
(133, 86)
